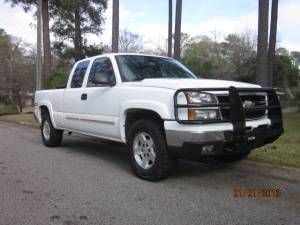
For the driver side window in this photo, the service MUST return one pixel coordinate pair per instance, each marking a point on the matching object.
(100, 65)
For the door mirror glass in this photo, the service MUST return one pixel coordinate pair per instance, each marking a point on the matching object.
(101, 73)
(103, 78)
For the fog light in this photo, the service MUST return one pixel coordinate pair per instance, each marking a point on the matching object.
(208, 149)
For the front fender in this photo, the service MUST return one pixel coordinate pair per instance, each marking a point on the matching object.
(158, 107)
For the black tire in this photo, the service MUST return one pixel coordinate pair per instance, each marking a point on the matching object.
(163, 164)
(54, 138)
(232, 158)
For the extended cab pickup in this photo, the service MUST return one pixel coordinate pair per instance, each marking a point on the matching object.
(161, 110)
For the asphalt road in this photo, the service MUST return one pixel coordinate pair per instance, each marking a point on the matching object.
(89, 182)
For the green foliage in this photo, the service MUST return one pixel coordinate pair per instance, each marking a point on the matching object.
(59, 77)
(232, 59)
(72, 21)
(9, 101)
(25, 4)
(66, 52)
(235, 59)
(284, 68)
(8, 109)
(297, 93)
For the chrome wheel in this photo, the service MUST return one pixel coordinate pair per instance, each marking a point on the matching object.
(46, 130)
(143, 150)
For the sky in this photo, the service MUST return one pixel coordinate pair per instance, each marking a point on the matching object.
(149, 18)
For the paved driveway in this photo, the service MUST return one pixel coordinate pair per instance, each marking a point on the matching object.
(89, 182)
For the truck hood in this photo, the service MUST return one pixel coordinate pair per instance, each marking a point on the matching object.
(189, 83)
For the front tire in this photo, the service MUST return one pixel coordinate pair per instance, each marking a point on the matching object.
(51, 136)
(148, 154)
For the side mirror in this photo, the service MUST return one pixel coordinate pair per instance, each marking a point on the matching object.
(104, 79)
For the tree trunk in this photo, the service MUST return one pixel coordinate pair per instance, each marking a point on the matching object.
(46, 42)
(262, 43)
(78, 39)
(38, 47)
(11, 73)
(115, 27)
(177, 29)
(19, 99)
(170, 29)
(272, 41)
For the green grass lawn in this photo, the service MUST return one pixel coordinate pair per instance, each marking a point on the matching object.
(286, 149)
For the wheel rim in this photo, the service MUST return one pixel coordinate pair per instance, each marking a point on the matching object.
(144, 150)
(46, 130)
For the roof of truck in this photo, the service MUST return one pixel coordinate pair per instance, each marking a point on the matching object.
(113, 54)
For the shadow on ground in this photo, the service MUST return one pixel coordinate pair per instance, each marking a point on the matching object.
(116, 153)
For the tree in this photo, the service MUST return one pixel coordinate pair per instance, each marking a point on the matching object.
(170, 24)
(73, 20)
(115, 27)
(27, 5)
(232, 59)
(205, 58)
(130, 42)
(185, 40)
(296, 58)
(177, 29)
(272, 41)
(262, 43)
(16, 67)
(286, 75)
(46, 40)
(239, 50)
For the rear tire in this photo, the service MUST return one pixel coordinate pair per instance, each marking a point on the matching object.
(147, 148)
(51, 136)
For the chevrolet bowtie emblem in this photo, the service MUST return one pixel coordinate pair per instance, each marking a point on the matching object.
(248, 104)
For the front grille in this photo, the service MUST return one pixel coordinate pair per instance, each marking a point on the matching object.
(257, 100)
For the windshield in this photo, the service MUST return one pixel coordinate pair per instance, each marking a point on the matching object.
(139, 67)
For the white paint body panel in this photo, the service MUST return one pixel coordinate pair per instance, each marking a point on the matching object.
(103, 114)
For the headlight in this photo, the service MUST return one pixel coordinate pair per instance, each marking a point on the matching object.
(200, 97)
(203, 114)
(194, 97)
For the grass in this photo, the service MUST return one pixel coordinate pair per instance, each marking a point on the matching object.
(285, 150)
(26, 118)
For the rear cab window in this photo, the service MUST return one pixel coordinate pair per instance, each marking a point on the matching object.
(79, 73)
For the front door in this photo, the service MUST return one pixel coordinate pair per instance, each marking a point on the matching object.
(99, 110)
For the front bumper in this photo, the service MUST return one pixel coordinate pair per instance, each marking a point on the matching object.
(225, 137)
(220, 139)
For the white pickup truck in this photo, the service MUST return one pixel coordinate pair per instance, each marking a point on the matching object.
(161, 110)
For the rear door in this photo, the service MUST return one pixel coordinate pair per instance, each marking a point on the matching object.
(73, 97)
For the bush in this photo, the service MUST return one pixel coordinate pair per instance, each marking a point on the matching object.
(9, 101)
(58, 77)
(296, 92)
(8, 109)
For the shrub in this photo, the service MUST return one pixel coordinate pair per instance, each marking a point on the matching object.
(58, 77)
(8, 109)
